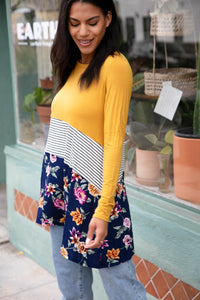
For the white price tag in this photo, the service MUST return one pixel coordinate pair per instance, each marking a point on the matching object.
(168, 101)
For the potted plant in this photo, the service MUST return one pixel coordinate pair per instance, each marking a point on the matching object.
(187, 154)
(149, 135)
(150, 143)
(40, 101)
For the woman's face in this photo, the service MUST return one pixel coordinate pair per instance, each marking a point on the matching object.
(87, 27)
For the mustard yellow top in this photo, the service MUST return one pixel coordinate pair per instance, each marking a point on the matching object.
(100, 112)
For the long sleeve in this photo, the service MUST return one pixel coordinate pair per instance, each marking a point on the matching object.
(118, 92)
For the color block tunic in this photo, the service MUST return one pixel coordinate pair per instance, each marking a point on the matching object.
(83, 165)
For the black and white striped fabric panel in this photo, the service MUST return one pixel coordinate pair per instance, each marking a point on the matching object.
(80, 152)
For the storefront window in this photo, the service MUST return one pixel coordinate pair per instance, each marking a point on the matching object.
(34, 25)
(160, 40)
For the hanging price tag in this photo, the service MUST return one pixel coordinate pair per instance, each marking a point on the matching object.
(168, 101)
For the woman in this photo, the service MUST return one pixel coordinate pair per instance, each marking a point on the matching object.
(82, 188)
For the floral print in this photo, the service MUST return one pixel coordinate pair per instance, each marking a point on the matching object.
(80, 195)
(113, 254)
(75, 236)
(53, 158)
(47, 170)
(64, 252)
(47, 221)
(115, 211)
(127, 240)
(65, 183)
(82, 249)
(120, 189)
(49, 190)
(104, 244)
(75, 176)
(59, 203)
(41, 202)
(127, 222)
(93, 190)
(62, 220)
(69, 200)
(77, 217)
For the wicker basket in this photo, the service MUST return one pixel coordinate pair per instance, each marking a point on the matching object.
(172, 24)
(184, 79)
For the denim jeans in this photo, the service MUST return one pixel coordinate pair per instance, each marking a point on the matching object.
(75, 281)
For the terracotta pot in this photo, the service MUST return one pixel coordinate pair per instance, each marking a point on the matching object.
(47, 83)
(147, 167)
(187, 165)
(44, 113)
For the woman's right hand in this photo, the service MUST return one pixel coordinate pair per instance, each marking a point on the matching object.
(100, 228)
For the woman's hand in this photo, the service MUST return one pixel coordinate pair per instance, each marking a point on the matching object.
(100, 228)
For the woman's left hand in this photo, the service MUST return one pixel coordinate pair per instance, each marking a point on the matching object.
(100, 228)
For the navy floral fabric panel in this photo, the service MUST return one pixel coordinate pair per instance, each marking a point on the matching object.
(67, 199)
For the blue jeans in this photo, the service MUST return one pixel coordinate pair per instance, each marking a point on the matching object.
(75, 281)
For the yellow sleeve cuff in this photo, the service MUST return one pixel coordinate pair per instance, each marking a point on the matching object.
(104, 209)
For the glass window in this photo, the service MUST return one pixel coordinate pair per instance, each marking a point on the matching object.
(160, 40)
(34, 24)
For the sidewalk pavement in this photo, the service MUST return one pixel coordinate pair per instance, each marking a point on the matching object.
(20, 277)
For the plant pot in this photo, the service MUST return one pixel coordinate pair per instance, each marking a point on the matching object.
(44, 113)
(47, 83)
(172, 24)
(187, 165)
(184, 79)
(147, 167)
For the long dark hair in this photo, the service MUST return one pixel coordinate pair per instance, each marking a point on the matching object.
(65, 53)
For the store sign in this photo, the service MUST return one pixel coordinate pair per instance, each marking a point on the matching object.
(37, 34)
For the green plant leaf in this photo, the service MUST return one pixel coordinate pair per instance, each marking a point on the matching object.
(138, 81)
(169, 136)
(28, 103)
(160, 144)
(151, 138)
(166, 150)
(38, 95)
(143, 112)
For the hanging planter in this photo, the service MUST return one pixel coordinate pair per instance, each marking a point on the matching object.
(184, 79)
(171, 24)
(165, 23)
